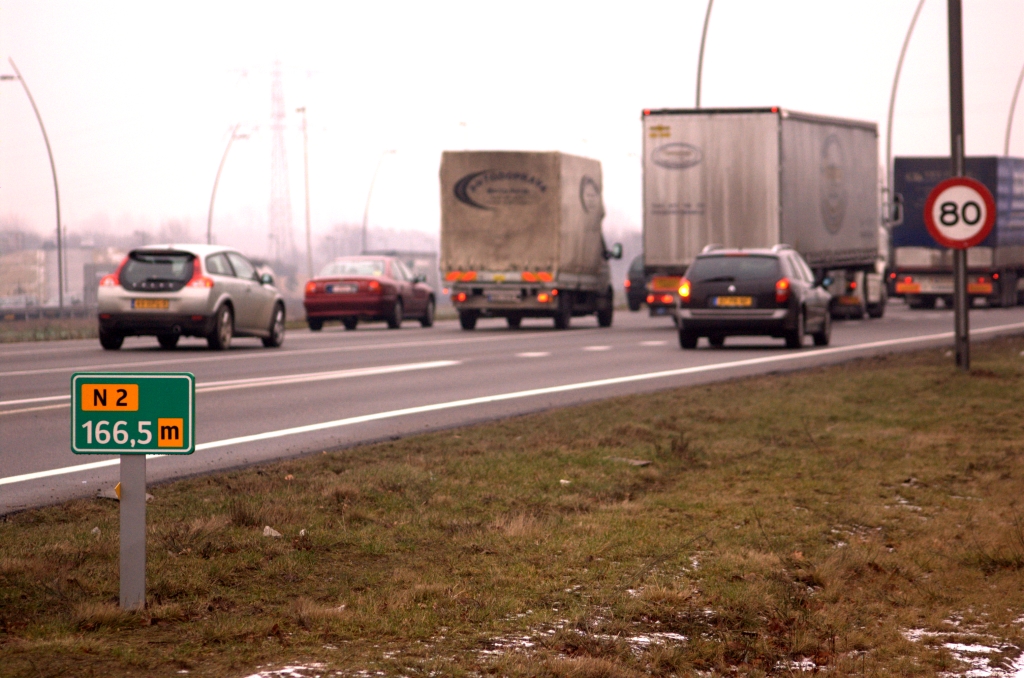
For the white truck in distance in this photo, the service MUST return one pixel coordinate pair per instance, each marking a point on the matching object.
(521, 237)
(760, 177)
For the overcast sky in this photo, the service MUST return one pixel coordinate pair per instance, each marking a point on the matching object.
(139, 97)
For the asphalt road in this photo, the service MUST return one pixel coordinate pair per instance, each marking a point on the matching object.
(334, 388)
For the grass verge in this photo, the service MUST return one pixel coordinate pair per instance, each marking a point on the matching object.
(863, 518)
(48, 329)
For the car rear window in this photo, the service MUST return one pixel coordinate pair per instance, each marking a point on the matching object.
(726, 268)
(157, 270)
(368, 267)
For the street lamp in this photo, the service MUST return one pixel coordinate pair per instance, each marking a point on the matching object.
(892, 106)
(216, 180)
(53, 170)
(369, 194)
(305, 167)
(1013, 105)
(700, 57)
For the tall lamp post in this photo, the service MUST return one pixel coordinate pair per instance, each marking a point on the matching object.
(216, 180)
(1013, 106)
(369, 194)
(892, 103)
(53, 170)
(700, 57)
(305, 167)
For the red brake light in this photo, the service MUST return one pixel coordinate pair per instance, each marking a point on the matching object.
(908, 280)
(892, 276)
(460, 297)
(782, 291)
(650, 298)
(109, 280)
(995, 276)
(647, 111)
(374, 286)
(853, 285)
(775, 109)
(311, 287)
(684, 291)
(666, 299)
(627, 284)
(198, 279)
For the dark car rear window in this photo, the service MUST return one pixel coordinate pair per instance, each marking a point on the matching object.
(157, 270)
(731, 268)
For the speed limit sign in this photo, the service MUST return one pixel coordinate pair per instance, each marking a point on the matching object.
(960, 213)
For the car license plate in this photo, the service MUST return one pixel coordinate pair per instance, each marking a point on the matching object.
(342, 289)
(151, 304)
(732, 302)
(503, 297)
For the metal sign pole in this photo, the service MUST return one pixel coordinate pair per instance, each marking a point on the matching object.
(133, 531)
(956, 130)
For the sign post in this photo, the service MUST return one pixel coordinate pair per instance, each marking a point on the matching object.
(132, 415)
(956, 133)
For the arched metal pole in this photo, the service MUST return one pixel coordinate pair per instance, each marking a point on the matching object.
(216, 180)
(700, 57)
(305, 169)
(892, 101)
(369, 194)
(1013, 105)
(56, 191)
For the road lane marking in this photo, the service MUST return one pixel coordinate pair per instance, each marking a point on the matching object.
(597, 348)
(534, 354)
(281, 380)
(653, 343)
(251, 355)
(515, 395)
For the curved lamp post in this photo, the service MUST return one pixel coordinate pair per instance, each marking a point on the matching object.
(56, 191)
(369, 194)
(700, 57)
(892, 103)
(216, 180)
(1013, 105)
(305, 167)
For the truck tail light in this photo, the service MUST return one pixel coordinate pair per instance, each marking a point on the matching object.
(892, 276)
(543, 297)
(667, 299)
(852, 286)
(782, 291)
(650, 298)
(995, 276)
(684, 291)
(627, 284)
(459, 297)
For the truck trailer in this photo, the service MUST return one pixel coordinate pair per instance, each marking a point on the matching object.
(521, 237)
(759, 177)
(922, 270)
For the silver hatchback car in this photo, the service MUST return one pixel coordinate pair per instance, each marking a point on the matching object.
(193, 290)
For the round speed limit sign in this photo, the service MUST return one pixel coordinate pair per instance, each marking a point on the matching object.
(960, 213)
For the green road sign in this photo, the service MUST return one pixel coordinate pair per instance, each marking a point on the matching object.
(133, 413)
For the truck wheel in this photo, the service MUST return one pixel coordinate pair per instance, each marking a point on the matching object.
(606, 312)
(110, 341)
(687, 339)
(514, 321)
(878, 310)
(467, 319)
(634, 305)
(564, 314)
(223, 330)
(315, 324)
(795, 338)
(823, 336)
(395, 318)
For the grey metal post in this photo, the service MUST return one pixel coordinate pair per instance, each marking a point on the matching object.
(1013, 106)
(892, 107)
(216, 180)
(305, 167)
(369, 194)
(956, 131)
(133, 531)
(700, 57)
(56, 192)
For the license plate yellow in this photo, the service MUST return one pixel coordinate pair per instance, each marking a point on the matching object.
(151, 304)
(734, 302)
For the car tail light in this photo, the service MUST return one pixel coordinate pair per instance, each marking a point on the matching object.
(374, 286)
(311, 287)
(684, 290)
(650, 298)
(543, 297)
(198, 279)
(109, 280)
(459, 297)
(627, 284)
(782, 291)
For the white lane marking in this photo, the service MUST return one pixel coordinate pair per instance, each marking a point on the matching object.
(548, 390)
(253, 355)
(280, 380)
(597, 348)
(534, 354)
(653, 343)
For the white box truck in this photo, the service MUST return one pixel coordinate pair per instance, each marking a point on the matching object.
(521, 237)
(759, 177)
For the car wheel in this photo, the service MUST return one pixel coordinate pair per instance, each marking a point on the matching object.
(687, 339)
(467, 319)
(514, 321)
(717, 340)
(428, 316)
(168, 341)
(564, 314)
(395, 317)
(795, 338)
(634, 305)
(276, 337)
(315, 324)
(350, 323)
(824, 335)
(223, 330)
(110, 340)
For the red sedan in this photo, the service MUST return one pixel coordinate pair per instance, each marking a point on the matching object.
(351, 289)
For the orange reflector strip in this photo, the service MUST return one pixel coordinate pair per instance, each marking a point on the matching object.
(469, 276)
(665, 283)
(452, 275)
(979, 288)
(529, 277)
(544, 276)
(907, 288)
